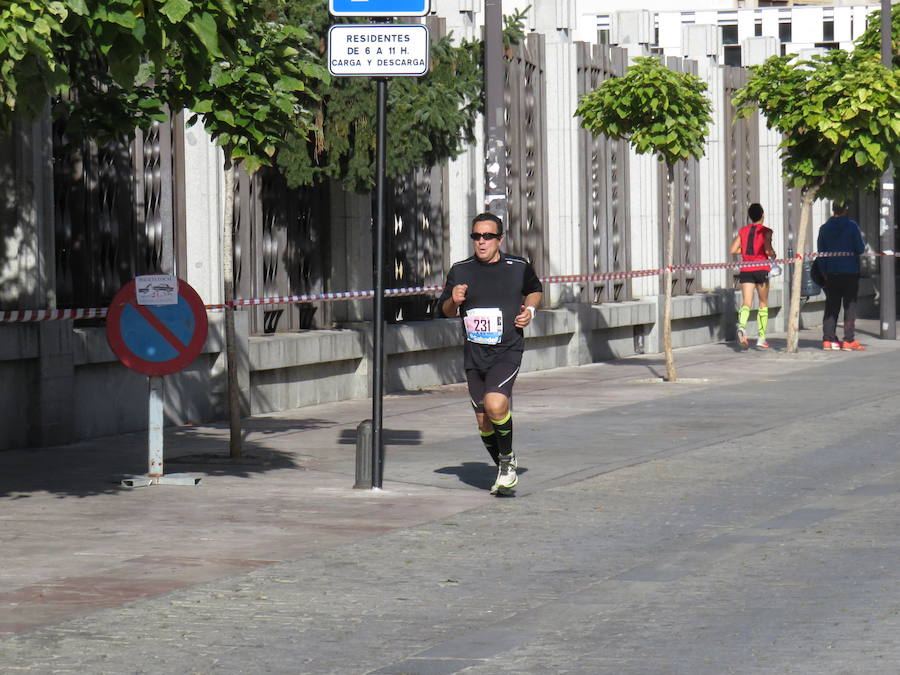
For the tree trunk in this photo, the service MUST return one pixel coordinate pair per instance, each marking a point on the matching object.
(234, 394)
(670, 246)
(806, 200)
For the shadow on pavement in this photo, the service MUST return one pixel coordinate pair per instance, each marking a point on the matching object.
(655, 364)
(276, 425)
(390, 437)
(97, 467)
(477, 474)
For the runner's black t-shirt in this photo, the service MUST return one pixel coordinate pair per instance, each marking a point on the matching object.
(492, 286)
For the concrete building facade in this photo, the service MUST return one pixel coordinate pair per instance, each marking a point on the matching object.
(585, 206)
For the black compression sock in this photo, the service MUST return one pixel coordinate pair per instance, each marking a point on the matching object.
(490, 443)
(504, 434)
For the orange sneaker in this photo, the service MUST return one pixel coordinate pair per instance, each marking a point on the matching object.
(851, 346)
(829, 346)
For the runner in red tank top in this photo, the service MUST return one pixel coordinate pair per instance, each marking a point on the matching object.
(754, 243)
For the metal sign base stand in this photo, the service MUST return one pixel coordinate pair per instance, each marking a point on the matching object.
(155, 441)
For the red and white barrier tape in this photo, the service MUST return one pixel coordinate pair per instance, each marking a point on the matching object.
(29, 315)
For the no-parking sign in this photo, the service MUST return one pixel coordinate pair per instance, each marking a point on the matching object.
(156, 339)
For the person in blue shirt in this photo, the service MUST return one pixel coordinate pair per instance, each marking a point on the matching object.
(840, 234)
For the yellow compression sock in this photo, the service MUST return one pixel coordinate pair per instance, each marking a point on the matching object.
(762, 321)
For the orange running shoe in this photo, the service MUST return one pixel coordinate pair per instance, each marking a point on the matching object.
(851, 346)
(829, 346)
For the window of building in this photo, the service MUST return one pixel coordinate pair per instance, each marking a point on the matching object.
(732, 55)
(730, 35)
(828, 45)
(828, 30)
(784, 31)
(757, 28)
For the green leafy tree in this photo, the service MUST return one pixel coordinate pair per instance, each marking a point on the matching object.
(106, 62)
(839, 114)
(658, 111)
(870, 40)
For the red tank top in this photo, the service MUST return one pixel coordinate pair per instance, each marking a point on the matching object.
(753, 246)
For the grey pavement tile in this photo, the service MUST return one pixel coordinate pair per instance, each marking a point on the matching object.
(418, 666)
(799, 519)
(479, 644)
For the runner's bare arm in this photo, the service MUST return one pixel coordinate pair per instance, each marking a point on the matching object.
(450, 308)
(735, 246)
(524, 317)
(770, 252)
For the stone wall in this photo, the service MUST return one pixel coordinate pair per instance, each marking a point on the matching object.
(64, 384)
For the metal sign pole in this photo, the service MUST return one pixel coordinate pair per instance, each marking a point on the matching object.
(360, 50)
(155, 427)
(155, 424)
(888, 297)
(378, 319)
(494, 111)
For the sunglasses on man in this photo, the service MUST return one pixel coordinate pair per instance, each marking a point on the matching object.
(487, 236)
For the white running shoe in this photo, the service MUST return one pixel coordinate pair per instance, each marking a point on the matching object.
(506, 475)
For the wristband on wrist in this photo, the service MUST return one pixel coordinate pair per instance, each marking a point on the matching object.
(530, 309)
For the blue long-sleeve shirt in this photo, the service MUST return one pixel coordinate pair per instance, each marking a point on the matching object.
(840, 234)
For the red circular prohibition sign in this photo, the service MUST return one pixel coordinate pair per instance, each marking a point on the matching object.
(190, 313)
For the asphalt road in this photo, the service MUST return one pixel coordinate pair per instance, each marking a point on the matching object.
(743, 520)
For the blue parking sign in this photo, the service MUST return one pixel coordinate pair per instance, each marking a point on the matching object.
(379, 7)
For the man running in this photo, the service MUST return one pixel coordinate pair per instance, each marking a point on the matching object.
(496, 295)
(754, 243)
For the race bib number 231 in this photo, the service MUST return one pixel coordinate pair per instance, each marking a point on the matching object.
(484, 325)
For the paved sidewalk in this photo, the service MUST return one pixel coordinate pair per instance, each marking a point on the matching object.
(74, 541)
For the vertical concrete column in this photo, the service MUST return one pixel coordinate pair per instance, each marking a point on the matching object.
(27, 236)
(860, 18)
(754, 51)
(55, 386)
(218, 376)
(464, 196)
(578, 351)
(204, 209)
(351, 251)
(746, 25)
(806, 26)
(843, 27)
(242, 334)
(633, 30)
(364, 370)
(555, 20)
(352, 269)
(701, 43)
(646, 251)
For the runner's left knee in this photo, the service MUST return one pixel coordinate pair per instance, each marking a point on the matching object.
(496, 405)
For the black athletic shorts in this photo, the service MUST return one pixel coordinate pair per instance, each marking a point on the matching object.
(499, 378)
(754, 277)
